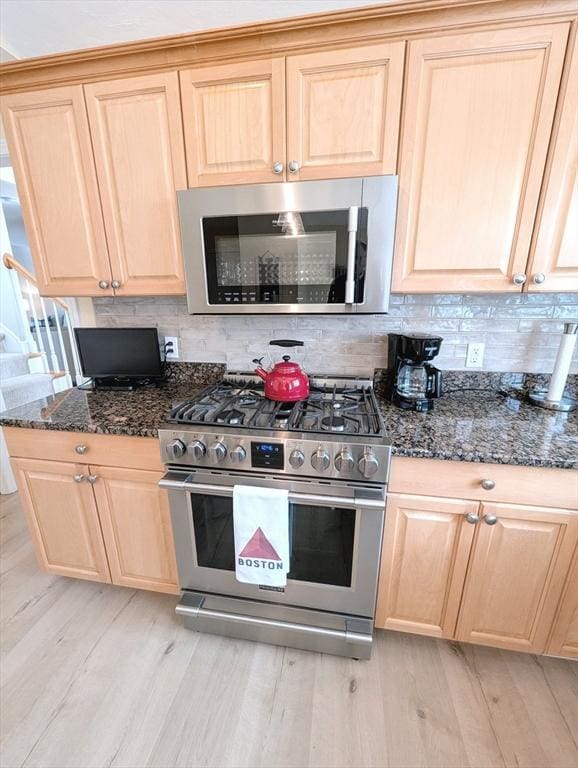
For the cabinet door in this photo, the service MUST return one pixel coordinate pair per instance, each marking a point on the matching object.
(516, 576)
(50, 150)
(564, 638)
(554, 262)
(234, 120)
(62, 518)
(423, 565)
(139, 152)
(477, 120)
(343, 111)
(136, 524)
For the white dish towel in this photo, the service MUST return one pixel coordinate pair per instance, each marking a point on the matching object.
(261, 523)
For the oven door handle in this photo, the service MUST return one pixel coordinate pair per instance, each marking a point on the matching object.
(297, 498)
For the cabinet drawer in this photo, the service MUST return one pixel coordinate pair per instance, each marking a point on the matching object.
(106, 450)
(463, 480)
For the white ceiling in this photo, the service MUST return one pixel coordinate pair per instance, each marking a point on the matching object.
(39, 27)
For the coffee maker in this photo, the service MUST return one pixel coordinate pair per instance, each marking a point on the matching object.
(412, 383)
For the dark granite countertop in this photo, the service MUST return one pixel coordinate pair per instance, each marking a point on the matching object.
(480, 426)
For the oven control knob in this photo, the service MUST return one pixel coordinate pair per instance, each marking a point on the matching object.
(297, 459)
(344, 461)
(368, 464)
(238, 454)
(197, 449)
(176, 449)
(320, 460)
(218, 451)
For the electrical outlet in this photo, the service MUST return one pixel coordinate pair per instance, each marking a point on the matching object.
(171, 347)
(475, 356)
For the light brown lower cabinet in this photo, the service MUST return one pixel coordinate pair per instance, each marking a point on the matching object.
(136, 524)
(61, 512)
(487, 573)
(100, 523)
(564, 637)
(426, 546)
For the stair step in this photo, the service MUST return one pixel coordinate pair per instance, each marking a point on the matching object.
(19, 390)
(13, 364)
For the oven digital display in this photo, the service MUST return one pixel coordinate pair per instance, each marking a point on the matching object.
(267, 455)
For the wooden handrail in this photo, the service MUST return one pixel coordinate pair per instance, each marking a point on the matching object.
(11, 263)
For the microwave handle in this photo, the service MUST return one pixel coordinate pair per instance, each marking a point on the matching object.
(351, 243)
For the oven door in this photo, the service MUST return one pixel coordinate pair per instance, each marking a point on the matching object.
(322, 246)
(335, 541)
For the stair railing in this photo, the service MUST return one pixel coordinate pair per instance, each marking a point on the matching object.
(33, 306)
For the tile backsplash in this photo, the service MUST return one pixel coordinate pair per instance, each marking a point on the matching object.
(521, 332)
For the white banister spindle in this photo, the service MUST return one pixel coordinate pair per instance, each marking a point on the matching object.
(39, 339)
(53, 358)
(76, 361)
(62, 348)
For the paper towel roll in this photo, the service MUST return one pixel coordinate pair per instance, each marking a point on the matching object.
(563, 363)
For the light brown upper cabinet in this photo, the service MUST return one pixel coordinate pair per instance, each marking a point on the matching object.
(477, 120)
(51, 153)
(554, 258)
(520, 561)
(234, 120)
(137, 137)
(343, 110)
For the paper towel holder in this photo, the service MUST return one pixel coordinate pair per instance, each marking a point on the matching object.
(553, 398)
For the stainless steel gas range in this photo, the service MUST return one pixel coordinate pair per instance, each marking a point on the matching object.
(331, 454)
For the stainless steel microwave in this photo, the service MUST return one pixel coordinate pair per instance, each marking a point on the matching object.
(308, 246)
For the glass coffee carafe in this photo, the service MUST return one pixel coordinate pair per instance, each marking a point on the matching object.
(412, 380)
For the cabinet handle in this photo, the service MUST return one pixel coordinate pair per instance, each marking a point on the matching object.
(293, 166)
(103, 284)
(490, 519)
(78, 478)
(488, 485)
(92, 479)
(80, 449)
(519, 279)
(277, 167)
(115, 284)
(539, 278)
(472, 518)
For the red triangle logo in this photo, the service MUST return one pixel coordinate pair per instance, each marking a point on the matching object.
(259, 546)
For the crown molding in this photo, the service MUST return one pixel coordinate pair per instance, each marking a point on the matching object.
(396, 20)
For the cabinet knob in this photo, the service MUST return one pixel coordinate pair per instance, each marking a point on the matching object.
(293, 166)
(115, 284)
(78, 478)
(92, 479)
(103, 284)
(80, 449)
(472, 518)
(488, 485)
(519, 279)
(490, 519)
(539, 278)
(277, 167)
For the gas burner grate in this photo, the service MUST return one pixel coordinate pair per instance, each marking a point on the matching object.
(349, 410)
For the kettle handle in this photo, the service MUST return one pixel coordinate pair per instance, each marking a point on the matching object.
(286, 343)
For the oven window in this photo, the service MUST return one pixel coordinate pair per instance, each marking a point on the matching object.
(281, 258)
(321, 539)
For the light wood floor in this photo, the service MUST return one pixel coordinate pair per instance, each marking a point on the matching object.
(105, 676)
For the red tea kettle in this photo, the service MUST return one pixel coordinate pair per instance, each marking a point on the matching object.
(286, 382)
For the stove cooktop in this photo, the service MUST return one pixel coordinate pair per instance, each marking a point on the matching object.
(345, 406)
